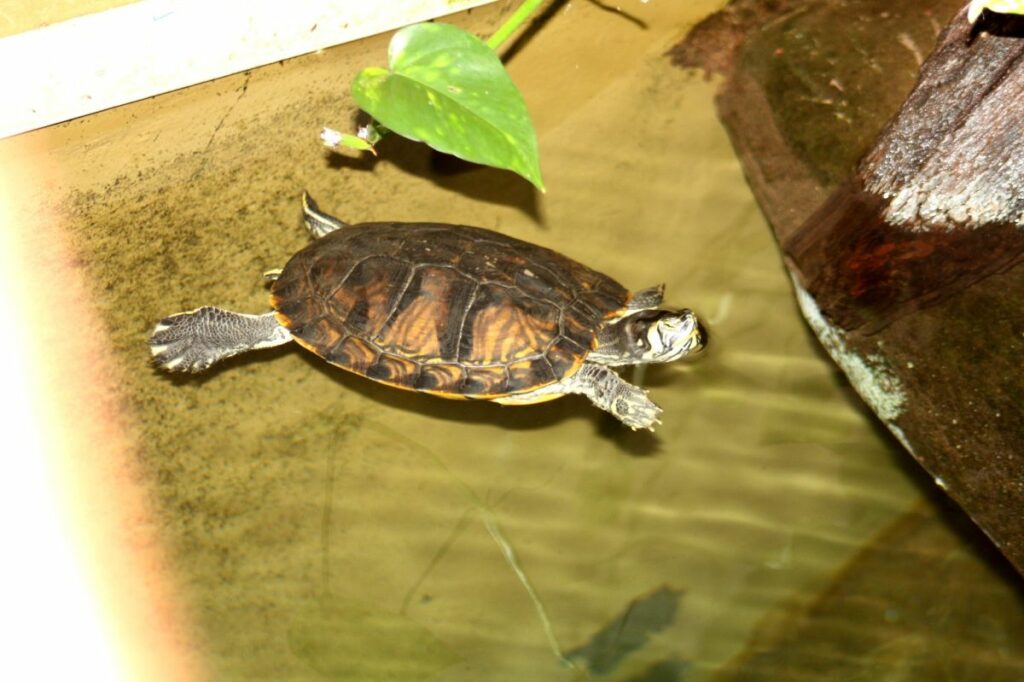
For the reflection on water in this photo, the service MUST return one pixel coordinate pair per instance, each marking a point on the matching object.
(325, 527)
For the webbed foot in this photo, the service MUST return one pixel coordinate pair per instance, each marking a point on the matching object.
(634, 409)
(613, 394)
(191, 342)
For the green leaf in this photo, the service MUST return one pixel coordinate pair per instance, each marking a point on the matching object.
(446, 88)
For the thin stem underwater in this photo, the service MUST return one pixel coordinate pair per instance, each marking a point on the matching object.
(490, 523)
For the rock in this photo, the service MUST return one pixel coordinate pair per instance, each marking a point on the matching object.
(907, 265)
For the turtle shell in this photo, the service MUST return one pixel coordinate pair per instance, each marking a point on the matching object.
(447, 309)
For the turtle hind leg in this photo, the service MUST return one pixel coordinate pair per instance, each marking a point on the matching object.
(317, 222)
(191, 342)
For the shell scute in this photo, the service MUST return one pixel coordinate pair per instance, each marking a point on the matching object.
(527, 374)
(365, 298)
(539, 283)
(563, 359)
(352, 353)
(393, 369)
(485, 381)
(502, 325)
(422, 323)
(439, 377)
(321, 333)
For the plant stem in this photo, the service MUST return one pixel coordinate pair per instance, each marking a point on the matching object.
(491, 524)
(521, 14)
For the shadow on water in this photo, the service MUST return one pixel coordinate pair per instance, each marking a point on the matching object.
(550, 12)
(955, 518)
(481, 183)
(516, 418)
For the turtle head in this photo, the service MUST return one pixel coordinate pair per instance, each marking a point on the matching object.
(655, 335)
(667, 335)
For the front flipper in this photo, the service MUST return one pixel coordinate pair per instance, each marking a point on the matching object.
(191, 342)
(606, 389)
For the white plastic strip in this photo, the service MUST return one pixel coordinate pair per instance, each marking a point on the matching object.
(102, 60)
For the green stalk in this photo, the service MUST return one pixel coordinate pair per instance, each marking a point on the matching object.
(521, 14)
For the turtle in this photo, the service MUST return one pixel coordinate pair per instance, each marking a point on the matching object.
(449, 310)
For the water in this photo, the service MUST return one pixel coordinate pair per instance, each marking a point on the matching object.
(314, 525)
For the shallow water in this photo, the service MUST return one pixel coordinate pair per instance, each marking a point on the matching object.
(319, 526)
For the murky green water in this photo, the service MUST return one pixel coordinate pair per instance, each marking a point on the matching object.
(324, 527)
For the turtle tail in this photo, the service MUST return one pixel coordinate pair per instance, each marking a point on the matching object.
(193, 341)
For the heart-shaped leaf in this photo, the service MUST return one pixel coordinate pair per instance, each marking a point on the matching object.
(446, 88)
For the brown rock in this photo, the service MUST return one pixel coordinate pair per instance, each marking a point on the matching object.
(909, 270)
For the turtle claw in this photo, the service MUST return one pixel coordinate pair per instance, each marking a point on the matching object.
(174, 343)
(624, 401)
(634, 409)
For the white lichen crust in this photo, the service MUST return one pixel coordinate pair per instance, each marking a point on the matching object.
(871, 375)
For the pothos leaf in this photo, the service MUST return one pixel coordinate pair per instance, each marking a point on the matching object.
(446, 88)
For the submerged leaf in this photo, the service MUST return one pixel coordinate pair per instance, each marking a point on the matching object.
(446, 88)
(629, 631)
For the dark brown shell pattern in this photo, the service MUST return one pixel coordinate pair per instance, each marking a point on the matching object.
(447, 309)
